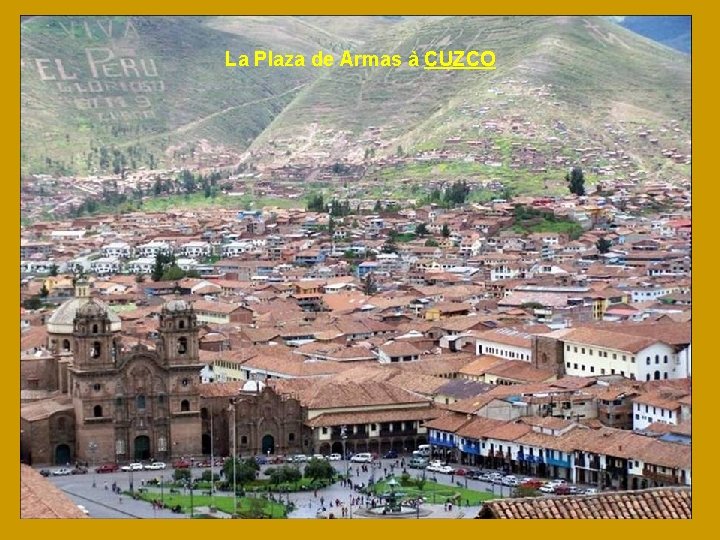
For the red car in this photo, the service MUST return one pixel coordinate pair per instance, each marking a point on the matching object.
(107, 468)
(181, 464)
(461, 472)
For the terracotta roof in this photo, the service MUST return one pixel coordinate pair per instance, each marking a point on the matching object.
(656, 503)
(225, 389)
(449, 422)
(39, 498)
(45, 408)
(610, 339)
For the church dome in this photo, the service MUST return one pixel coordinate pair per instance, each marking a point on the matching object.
(61, 322)
(92, 309)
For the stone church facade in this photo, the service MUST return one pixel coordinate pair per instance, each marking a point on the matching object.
(121, 403)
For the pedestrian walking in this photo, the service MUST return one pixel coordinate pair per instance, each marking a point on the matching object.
(106, 486)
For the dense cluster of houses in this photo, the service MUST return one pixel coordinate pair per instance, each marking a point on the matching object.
(534, 352)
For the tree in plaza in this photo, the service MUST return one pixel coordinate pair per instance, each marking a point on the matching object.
(319, 469)
(245, 471)
(181, 475)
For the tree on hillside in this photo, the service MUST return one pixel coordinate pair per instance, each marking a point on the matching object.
(603, 245)
(53, 269)
(445, 230)
(421, 229)
(369, 286)
(576, 181)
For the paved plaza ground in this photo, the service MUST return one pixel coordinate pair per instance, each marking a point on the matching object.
(103, 503)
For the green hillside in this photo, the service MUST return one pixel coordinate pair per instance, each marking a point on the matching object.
(570, 88)
(183, 95)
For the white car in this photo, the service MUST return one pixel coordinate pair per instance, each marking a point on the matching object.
(510, 480)
(299, 458)
(83, 509)
(363, 457)
(318, 456)
(64, 471)
(157, 466)
(334, 457)
(590, 491)
(547, 488)
(445, 469)
(132, 467)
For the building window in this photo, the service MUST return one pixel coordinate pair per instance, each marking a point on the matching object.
(567, 364)
(637, 417)
(373, 427)
(95, 350)
(575, 366)
(185, 382)
(665, 359)
(182, 345)
(665, 375)
(656, 375)
(575, 349)
(324, 431)
(184, 405)
(291, 437)
(615, 356)
(66, 345)
(97, 411)
(243, 439)
(97, 387)
(583, 350)
(592, 369)
(657, 358)
(94, 328)
(140, 402)
(647, 361)
(181, 324)
(590, 351)
(567, 348)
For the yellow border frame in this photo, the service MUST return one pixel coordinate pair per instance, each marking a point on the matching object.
(703, 31)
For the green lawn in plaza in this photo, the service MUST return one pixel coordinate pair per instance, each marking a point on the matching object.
(434, 492)
(224, 503)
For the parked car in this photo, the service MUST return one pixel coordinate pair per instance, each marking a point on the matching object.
(531, 483)
(107, 468)
(546, 488)
(261, 460)
(83, 509)
(510, 480)
(299, 458)
(132, 467)
(181, 464)
(461, 472)
(418, 463)
(362, 457)
(334, 457)
(204, 464)
(79, 470)
(318, 456)
(391, 454)
(44, 472)
(590, 491)
(63, 471)
(445, 469)
(155, 466)
(494, 477)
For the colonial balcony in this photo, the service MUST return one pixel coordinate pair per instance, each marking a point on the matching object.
(665, 478)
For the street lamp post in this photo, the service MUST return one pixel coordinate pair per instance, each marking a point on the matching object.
(131, 481)
(343, 436)
(92, 446)
(234, 457)
(162, 492)
(212, 461)
(190, 487)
